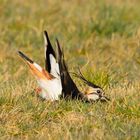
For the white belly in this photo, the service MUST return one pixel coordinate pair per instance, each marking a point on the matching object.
(51, 89)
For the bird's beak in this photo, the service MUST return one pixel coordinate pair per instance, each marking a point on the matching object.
(104, 99)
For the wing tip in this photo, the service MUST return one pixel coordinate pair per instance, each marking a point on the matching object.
(59, 49)
(22, 55)
(45, 33)
(46, 38)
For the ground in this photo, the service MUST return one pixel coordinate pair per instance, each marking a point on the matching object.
(100, 37)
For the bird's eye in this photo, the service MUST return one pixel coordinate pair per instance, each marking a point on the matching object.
(98, 91)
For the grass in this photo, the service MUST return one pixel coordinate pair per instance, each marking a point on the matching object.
(102, 38)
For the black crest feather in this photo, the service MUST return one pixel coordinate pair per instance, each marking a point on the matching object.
(80, 76)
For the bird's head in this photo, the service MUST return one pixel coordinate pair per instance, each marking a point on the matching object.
(93, 92)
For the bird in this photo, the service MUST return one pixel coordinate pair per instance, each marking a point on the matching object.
(49, 86)
(69, 88)
(55, 81)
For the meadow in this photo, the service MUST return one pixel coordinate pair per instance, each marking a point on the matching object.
(102, 37)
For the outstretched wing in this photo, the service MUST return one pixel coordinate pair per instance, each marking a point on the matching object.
(50, 86)
(69, 88)
(37, 70)
(50, 58)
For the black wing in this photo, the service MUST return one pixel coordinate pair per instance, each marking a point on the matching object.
(69, 88)
(48, 50)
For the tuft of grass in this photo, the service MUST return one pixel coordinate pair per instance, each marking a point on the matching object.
(100, 37)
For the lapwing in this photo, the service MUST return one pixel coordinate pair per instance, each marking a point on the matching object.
(55, 81)
(69, 88)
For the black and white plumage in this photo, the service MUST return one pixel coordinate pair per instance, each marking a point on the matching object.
(69, 88)
(55, 81)
(49, 86)
(51, 64)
